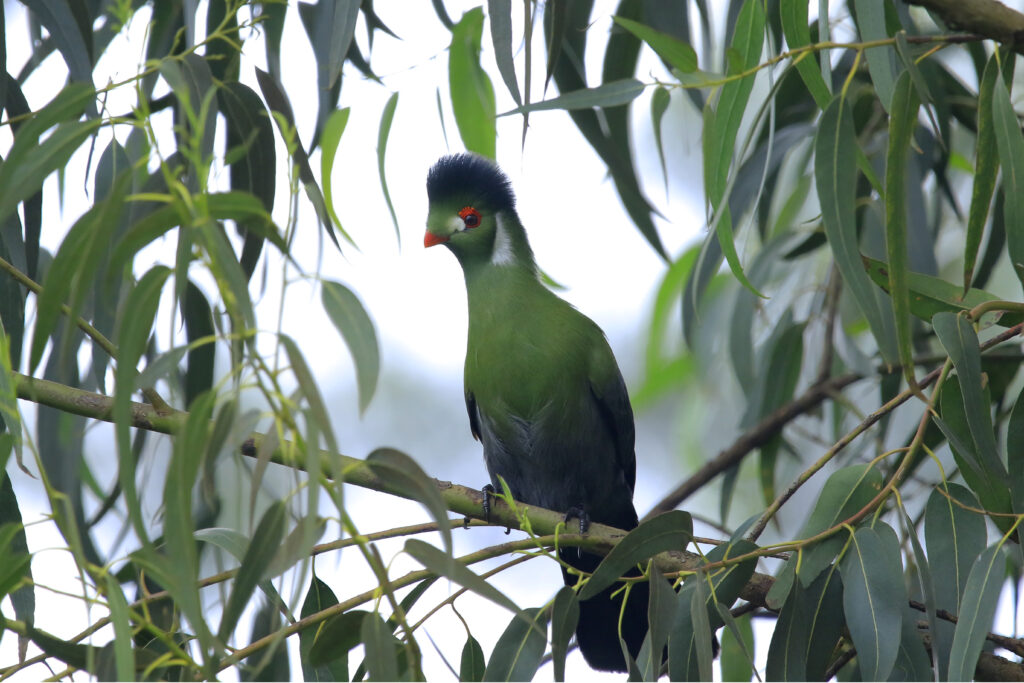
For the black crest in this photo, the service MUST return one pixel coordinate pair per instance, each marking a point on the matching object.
(471, 176)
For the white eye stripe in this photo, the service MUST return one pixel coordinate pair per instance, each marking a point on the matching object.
(455, 224)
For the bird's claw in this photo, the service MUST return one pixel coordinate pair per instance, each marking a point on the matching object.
(488, 491)
(579, 513)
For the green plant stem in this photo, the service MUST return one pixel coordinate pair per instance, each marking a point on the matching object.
(868, 422)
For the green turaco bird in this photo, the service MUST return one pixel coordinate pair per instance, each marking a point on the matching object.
(543, 390)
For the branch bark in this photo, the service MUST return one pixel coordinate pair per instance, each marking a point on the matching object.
(988, 18)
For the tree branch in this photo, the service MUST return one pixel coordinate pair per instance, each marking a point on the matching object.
(752, 439)
(988, 18)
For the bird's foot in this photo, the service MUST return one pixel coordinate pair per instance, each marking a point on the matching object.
(579, 513)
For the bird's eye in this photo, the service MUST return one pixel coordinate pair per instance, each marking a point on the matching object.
(470, 217)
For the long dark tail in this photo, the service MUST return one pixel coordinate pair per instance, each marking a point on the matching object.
(598, 630)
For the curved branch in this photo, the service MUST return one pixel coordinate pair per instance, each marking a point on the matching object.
(988, 18)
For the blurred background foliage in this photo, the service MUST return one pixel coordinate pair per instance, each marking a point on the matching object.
(835, 363)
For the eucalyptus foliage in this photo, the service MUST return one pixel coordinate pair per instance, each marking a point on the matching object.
(853, 312)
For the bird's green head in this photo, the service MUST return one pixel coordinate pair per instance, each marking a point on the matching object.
(472, 212)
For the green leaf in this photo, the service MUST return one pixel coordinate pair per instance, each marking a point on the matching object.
(181, 575)
(697, 609)
(198, 325)
(737, 650)
(986, 167)
(661, 613)
(809, 625)
(721, 127)
(520, 648)
(133, 335)
(471, 90)
(610, 94)
(445, 565)
(307, 383)
(124, 656)
(956, 536)
(403, 474)
(845, 493)
(978, 608)
(871, 21)
(356, 328)
(902, 121)
(793, 16)
(499, 12)
(333, 130)
(659, 105)
(835, 149)
(386, 118)
(279, 105)
(473, 664)
(930, 295)
(261, 551)
(9, 408)
(670, 531)
(71, 274)
(565, 615)
(336, 637)
(957, 336)
(381, 647)
(927, 590)
(674, 51)
(873, 599)
(1010, 143)
(318, 598)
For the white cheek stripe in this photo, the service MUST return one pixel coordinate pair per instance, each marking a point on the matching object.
(503, 253)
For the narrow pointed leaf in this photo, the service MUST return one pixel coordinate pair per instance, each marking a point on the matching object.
(445, 565)
(1010, 143)
(794, 20)
(605, 95)
(986, 166)
(403, 473)
(565, 615)
(930, 295)
(380, 647)
(674, 51)
(383, 133)
(279, 104)
(670, 531)
(318, 598)
(352, 321)
(265, 541)
(471, 90)
(472, 664)
(835, 149)
(871, 20)
(981, 597)
(873, 599)
(499, 12)
(902, 121)
(332, 132)
(520, 648)
(958, 337)
(124, 656)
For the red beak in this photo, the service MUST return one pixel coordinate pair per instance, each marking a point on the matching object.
(430, 239)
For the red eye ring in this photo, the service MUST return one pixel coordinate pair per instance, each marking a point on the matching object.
(470, 217)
